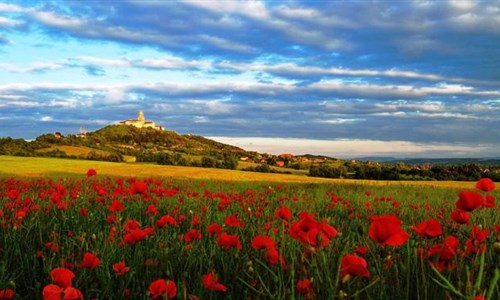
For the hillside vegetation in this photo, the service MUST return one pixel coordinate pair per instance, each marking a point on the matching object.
(117, 143)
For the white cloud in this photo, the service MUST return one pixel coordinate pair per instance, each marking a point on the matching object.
(350, 148)
(46, 119)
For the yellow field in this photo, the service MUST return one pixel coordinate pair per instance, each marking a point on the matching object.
(40, 167)
(73, 150)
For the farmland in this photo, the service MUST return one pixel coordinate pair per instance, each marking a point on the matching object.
(162, 232)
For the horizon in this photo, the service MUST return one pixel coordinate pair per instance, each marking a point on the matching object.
(412, 79)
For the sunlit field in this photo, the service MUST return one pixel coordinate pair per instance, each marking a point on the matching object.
(56, 167)
(91, 236)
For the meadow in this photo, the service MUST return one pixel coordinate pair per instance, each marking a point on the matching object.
(107, 233)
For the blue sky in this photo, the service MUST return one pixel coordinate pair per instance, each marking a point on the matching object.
(341, 78)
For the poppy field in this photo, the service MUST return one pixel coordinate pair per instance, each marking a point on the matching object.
(99, 237)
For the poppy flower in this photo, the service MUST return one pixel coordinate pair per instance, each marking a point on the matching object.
(55, 292)
(152, 210)
(191, 235)
(304, 287)
(354, 265)
(228, 241)
(120, 268)
(7, 294)
(386, 230)
(211, 282)
(469, 201)
(283, 213)
(139, 187)
(309, 231)
(166, 220)
(91, 172)
(428, 229)
(234, 221)
(62, 277)
(460, 216)
(262, 241)
(445, 253)
(116, 206)
(485, 185)
(90, 261)
(161, 286)
(214, 228)
(361, 250)
(489, 201)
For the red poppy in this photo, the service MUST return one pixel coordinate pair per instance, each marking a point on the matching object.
(309, 231)
(166, 220)
(489, 201)
(139, 187)
(72, 293)
(304, 287)
(7, 294)
(460, 216)
(91, 172)
(228, 241)
(191, 235)
(211, 282)
(62, 277)
(234, 221)
(120, 268)
(485, 185)
(444, 252)
(262, 241)
(386, 230)
(428, 229)
(54, 292)
(354, 265)
(116, 206)
(214, 228)
(361, 250)
(469, 201)
(151, 210)
(283, 213)
(161, 286)
(90, 261)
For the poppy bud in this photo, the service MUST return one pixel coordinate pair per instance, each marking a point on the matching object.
(496, 247)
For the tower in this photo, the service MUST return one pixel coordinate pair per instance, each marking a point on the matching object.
(140, 117)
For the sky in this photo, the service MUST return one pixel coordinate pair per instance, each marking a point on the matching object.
(340, 78)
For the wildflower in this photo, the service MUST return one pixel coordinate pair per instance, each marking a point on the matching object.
(485, 185)
(161, 286)
(211, 282)
(283, 213)
(91, 172)
(7, 294)
(386, 230)
(428, 229)
(354, 265)
(228, 241)
(460, 216)
(120, 268)
(62, 277)
(469, 201)
(90, 261)
(191, 235)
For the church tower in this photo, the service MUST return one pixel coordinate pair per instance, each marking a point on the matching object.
(140, 117)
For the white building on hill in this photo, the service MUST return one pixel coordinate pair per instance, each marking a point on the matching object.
(141, 122)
